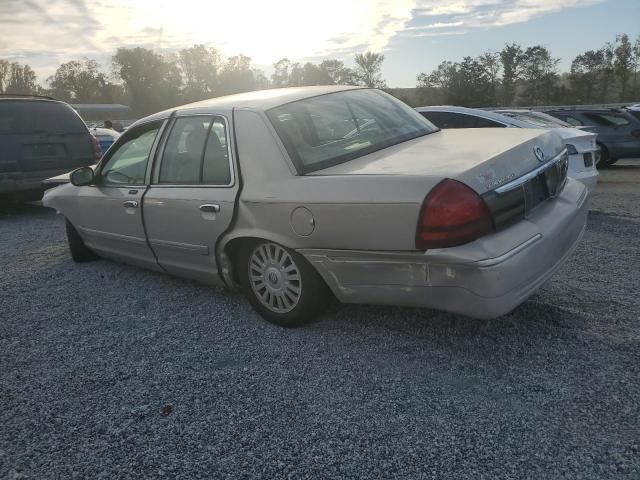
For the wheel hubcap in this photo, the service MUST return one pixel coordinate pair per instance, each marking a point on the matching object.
(274, 278)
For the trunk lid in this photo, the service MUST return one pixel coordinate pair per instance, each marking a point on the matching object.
(481, 158)
(583, 141)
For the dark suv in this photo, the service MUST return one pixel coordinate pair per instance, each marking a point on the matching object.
(618, 131)
(40, 138)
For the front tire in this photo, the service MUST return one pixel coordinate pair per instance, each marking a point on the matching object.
(280, 284)
(79, 251)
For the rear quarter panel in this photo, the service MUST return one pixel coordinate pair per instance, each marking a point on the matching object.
(368, 212)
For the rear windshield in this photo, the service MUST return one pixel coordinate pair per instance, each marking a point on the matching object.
(27, 117)
(323, 131)
(537, 119)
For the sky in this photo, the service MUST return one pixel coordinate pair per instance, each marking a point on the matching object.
(414, 35)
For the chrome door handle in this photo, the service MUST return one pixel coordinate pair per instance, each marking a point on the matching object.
(210, 207)
(130, 204)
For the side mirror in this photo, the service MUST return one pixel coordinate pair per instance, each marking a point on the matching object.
(82, 177)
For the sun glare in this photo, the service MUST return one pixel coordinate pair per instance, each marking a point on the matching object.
(265, 31)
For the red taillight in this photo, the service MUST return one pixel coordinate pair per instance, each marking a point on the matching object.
(95, 148)
(452, 214)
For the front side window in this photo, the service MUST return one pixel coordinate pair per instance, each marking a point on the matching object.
(128, 163)
(196, 153)
(331, 129)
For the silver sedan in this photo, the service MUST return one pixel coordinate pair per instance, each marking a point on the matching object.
(297, 195)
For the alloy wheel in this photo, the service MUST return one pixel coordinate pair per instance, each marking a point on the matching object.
(274, 277)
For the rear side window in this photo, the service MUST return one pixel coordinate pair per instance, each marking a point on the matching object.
(459, 120)
(442, 119)
(196, 153)
(486, 123)
(29, 117)
(571, 120)
(608, 119)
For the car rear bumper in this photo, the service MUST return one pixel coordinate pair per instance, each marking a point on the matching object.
(486, 278)
(588, 176)
(21, 181)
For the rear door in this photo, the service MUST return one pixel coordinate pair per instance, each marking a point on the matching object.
(42, 135)
(108, 214)
(191, 200)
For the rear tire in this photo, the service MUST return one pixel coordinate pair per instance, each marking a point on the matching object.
(79, 251)
(605, 159)
(280, 284)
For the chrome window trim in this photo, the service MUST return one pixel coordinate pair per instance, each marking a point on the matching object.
(154, 180)
(518, 182)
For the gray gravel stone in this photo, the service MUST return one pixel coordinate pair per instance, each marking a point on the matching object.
(92, 354)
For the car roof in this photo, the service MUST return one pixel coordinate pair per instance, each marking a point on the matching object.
(569, 111)
(260, 100)
(489, 115)
(28, 98)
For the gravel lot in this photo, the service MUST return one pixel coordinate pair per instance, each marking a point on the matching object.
(108, 371)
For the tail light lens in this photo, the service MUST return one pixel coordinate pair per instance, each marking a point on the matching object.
(571, 149)
(96, 150)
(452, 214)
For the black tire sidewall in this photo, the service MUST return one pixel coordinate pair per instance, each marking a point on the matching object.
(314, 292)
(605, 159)
(79, 251)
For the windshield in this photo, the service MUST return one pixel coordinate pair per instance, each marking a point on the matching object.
(323, 131)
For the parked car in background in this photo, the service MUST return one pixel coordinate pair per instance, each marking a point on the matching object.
(40, 137)
(106, 136)
(618, 131)
(274, 191)
(634, 110)
(581, 146)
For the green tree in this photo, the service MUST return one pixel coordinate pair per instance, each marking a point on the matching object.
(368, 68)
(539, 72)
(623, 63)
(280, 76)
(511, 57)
(585, 75)
(5, 68)
(636, 66)
(338, 73)
(237, 75)
(199, 66)
(152, 81)
(490, 62)
(21, 79)
(81, 82)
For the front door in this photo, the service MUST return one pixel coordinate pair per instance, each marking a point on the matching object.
(109, 217)
(190, 201)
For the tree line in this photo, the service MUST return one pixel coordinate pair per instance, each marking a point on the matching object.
(517, 76)
(149, 81)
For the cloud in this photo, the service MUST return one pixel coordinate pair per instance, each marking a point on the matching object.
(494, 13)
(265, 31)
